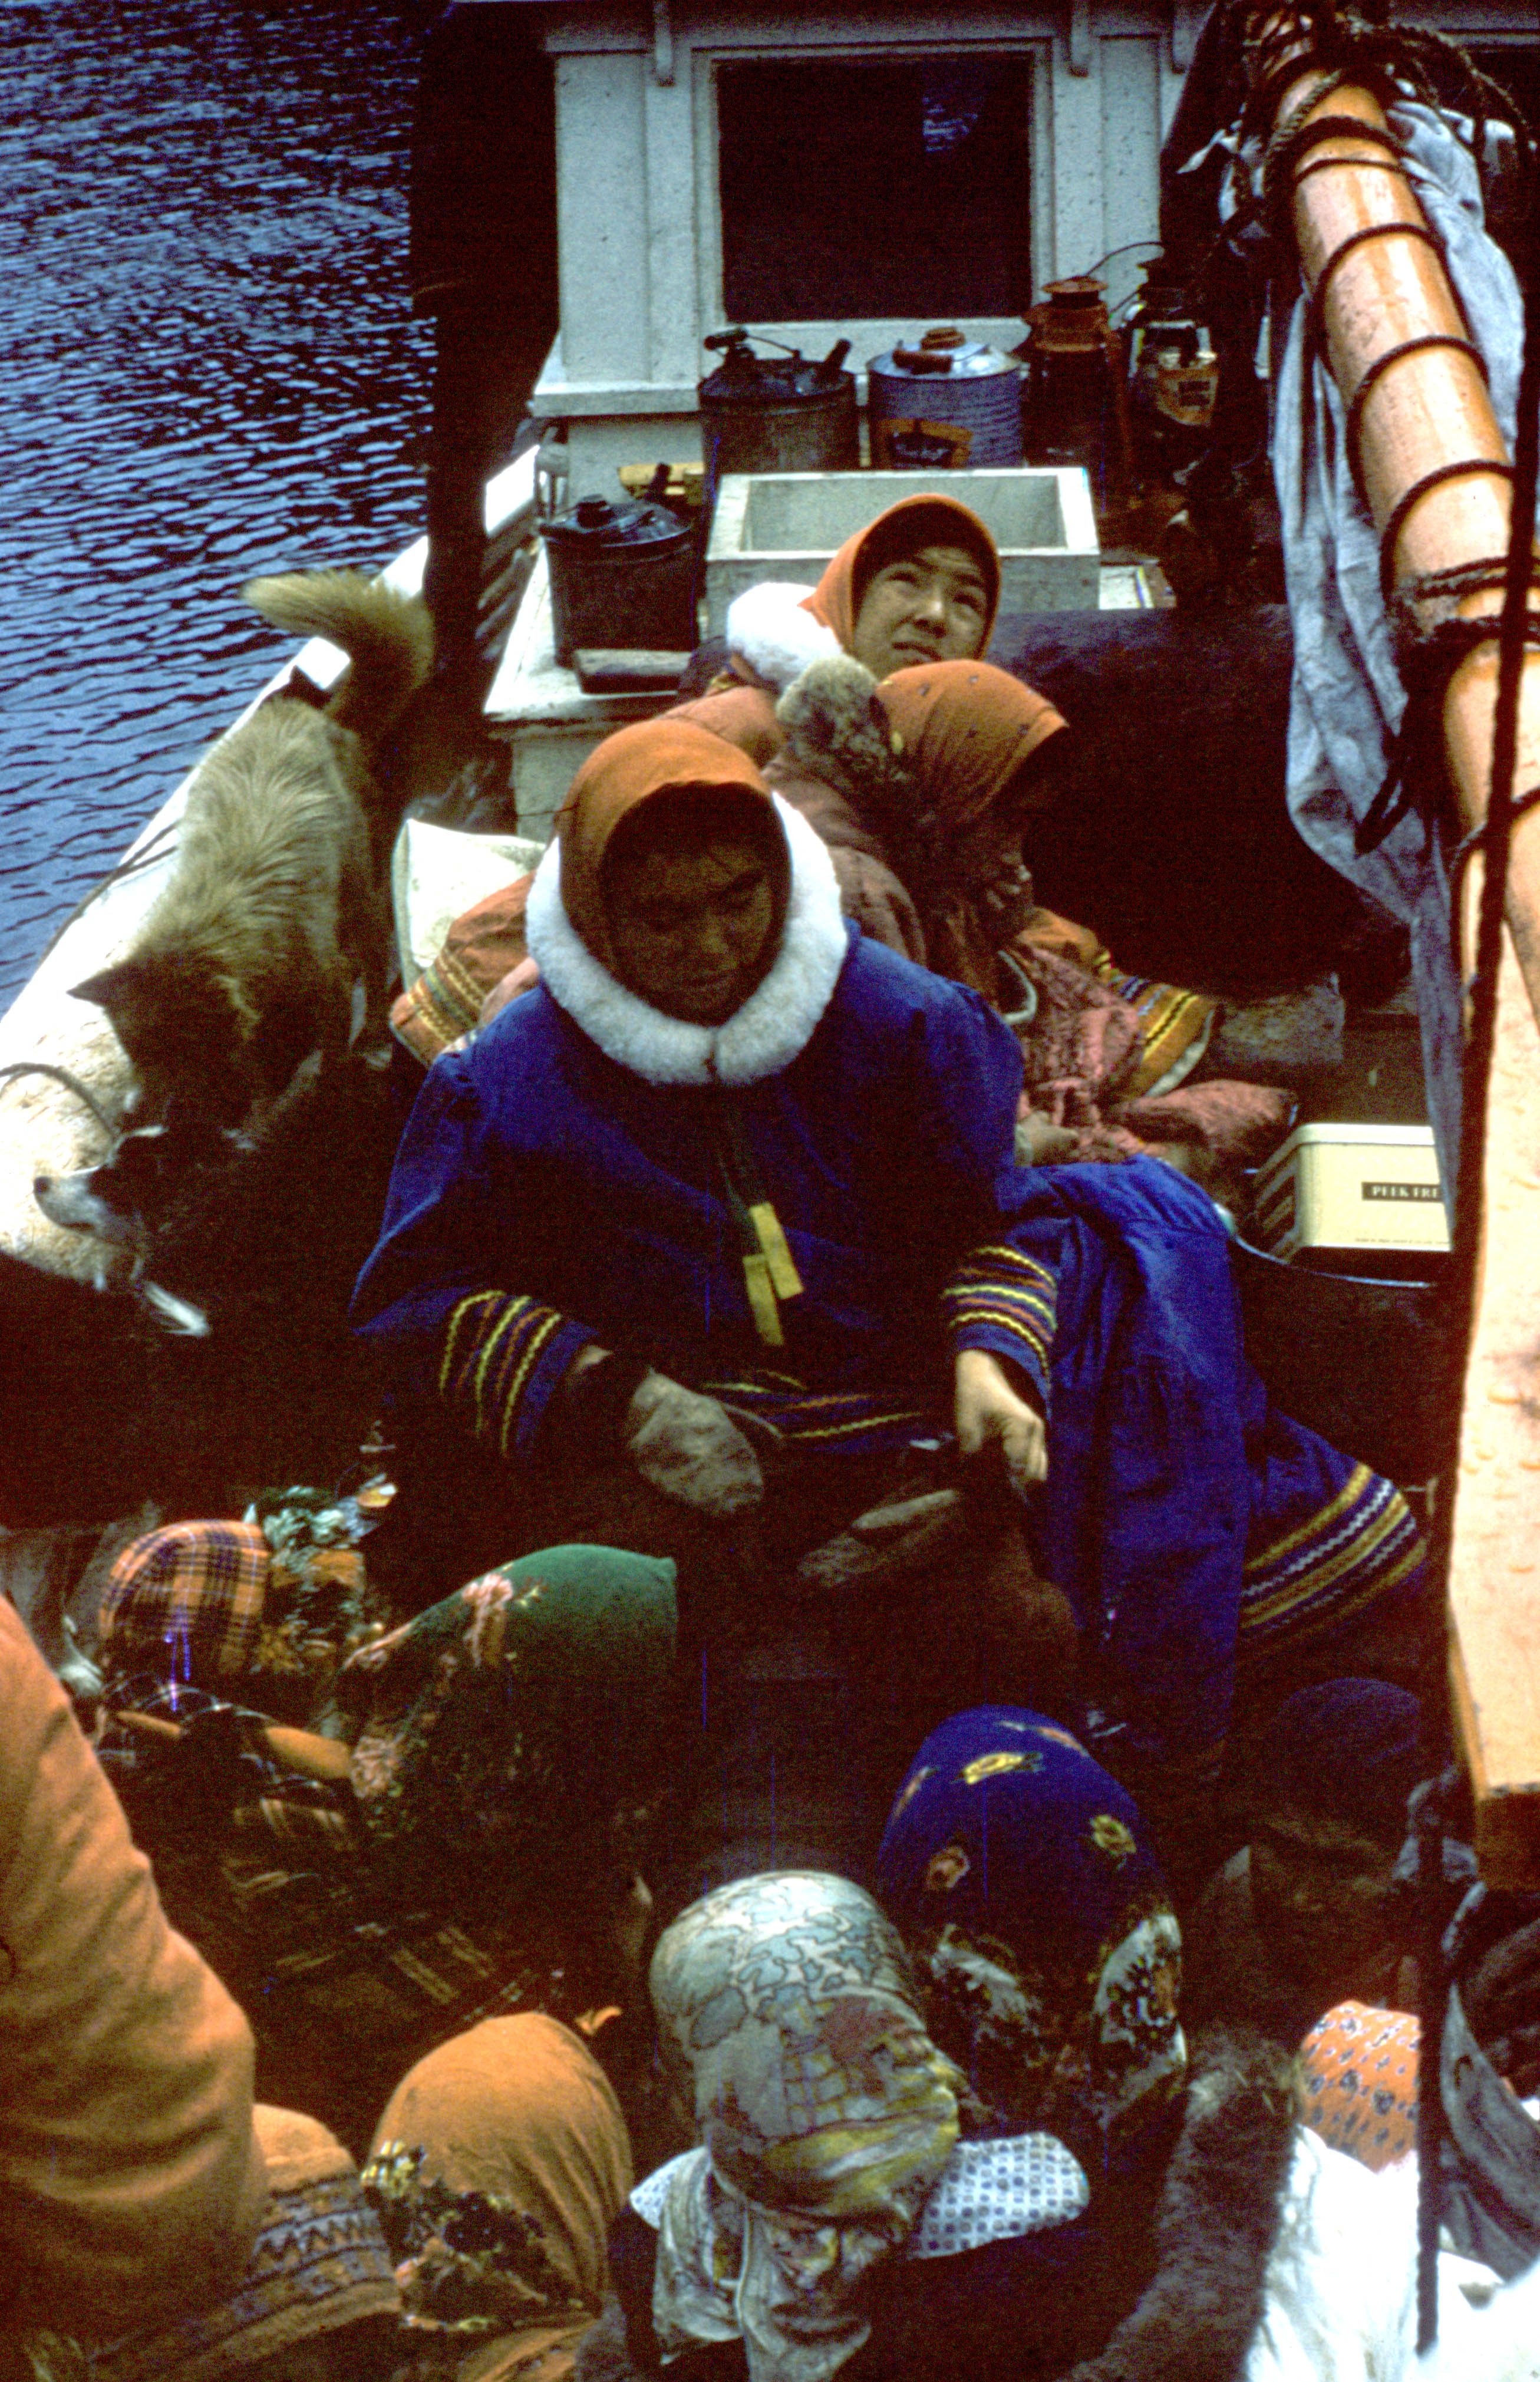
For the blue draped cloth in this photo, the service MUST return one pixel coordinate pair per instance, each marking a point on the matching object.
(1189, 1523)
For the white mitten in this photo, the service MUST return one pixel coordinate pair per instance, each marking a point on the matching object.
(689, 1447)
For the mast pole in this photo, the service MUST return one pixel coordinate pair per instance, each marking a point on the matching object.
(1436, 477)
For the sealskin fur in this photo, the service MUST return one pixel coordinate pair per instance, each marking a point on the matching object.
(277, 905)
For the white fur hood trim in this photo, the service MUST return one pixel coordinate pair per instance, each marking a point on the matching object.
(771, 639)
(775, 1023)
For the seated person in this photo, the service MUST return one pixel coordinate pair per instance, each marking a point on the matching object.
(467, 1844)
(1306, 1931)
(726, 1144)
(498, 2165)
(133, 2179)
(920, 583)
(923, 789)
(318, 2302)
(1308, 1913)
(935, 588)
(1219, 2231)
(860, 2204)
(721, 1218)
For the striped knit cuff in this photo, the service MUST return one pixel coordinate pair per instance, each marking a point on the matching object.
(839, 1423)
(1363, 1544)
(504, 1357)
(1005, 1303)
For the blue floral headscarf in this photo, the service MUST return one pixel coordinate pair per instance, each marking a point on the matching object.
(1046, 1949)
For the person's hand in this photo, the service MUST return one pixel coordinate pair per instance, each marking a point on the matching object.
(1040, 1142)
(990, 1411)
(689, 1447)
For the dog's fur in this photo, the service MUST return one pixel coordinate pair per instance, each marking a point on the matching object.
(277, 905)
(120, 1200)
(223, 1364)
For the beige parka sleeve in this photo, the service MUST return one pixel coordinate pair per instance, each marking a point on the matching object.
(130, 2180)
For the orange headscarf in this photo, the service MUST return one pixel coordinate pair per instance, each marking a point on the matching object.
(511, 2130)
(967, 728)
(653, 757)
(936, 521)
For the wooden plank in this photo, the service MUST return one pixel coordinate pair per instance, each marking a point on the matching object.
(1494, 1611)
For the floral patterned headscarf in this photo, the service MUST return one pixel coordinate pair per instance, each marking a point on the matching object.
(825, 2111)
(1046, 1949)
(496, 1732)
(498, 2168)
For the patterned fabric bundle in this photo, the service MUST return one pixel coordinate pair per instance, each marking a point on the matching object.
(498, 2168)
(826, 2113)
(270, 1606)
(502, 1723)
(320, 2263)
(485, 943)
(995, 2191)
(1048, 1955)
(1358, 2081)
(186, 1603)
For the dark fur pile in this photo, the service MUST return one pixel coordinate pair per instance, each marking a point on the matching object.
(101, 1406)
(1217, 2221)
(1170, 832)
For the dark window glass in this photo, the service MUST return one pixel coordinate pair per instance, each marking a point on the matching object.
(898, 189)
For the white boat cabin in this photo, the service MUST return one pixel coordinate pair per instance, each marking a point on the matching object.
(820, 172)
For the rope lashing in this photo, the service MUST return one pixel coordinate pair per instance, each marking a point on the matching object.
(1427, 655)
(1315, 327)
(1380, 363)
(1467, 849)
(1464, 467)
(1302, 132)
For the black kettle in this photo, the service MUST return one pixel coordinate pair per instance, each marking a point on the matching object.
(621, 575)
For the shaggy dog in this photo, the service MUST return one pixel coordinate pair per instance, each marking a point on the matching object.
(278, 905)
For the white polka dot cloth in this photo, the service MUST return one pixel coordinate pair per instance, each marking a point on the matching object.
(987, 2191)
(992, 2192)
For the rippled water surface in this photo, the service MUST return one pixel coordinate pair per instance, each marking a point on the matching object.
(207, 368)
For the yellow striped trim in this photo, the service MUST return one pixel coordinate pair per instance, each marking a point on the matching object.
(459, 1318)
(1308, 1586)
(537, 1340)
(1351, 1490)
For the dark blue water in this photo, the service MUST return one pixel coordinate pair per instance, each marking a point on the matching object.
(208, 368)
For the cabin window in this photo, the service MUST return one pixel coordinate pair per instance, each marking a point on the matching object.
(894, 189)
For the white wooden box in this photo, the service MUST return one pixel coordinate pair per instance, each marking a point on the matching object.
(787, 524)
(1352, 1186)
